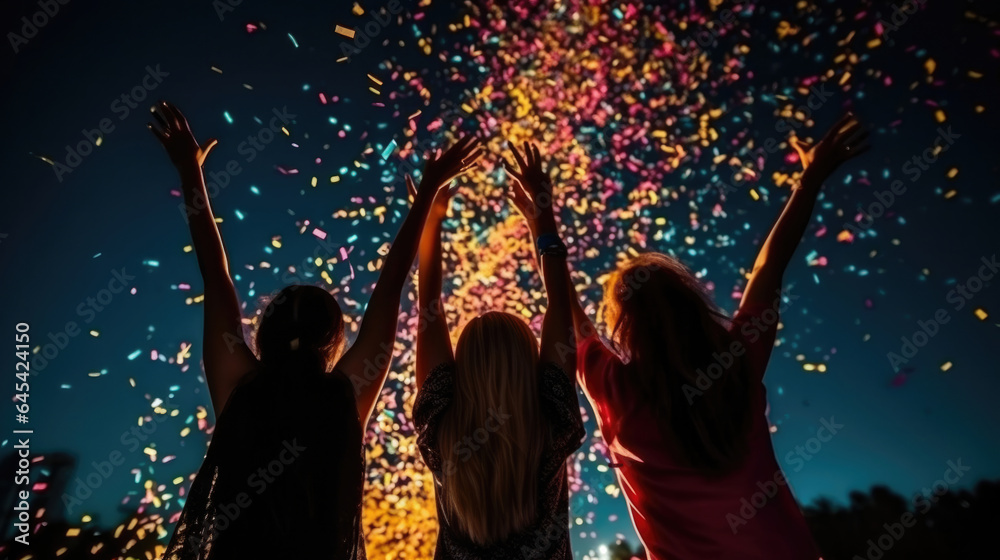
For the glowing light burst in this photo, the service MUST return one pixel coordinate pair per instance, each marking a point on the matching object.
(618, 101)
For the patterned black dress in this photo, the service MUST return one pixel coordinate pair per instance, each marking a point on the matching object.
(548, 537)
(283, 475)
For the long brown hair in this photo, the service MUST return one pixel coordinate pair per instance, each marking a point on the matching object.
(666, 326)
(492, 489)
(301, 326)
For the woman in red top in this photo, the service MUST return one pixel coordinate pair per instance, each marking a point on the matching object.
(705, 484)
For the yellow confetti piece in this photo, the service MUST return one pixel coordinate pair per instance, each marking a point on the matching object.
(946, 366)
(346, 32)
(981, 314)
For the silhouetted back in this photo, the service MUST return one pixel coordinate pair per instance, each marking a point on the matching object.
(283, 476)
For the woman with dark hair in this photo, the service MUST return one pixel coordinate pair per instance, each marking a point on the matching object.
(284, 473)
(681, 403)
(506, 496)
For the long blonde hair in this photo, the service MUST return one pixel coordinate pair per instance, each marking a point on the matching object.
(491, 491)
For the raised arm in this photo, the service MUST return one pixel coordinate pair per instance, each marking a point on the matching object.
(842, 142)
(433, 338)
(367, 362)
(531, 194)
(583, 327)
(227, 356)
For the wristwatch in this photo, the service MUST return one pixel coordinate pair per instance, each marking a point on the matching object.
(550, 244)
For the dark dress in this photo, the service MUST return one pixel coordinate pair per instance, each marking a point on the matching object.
(548, 537)
(283, 475)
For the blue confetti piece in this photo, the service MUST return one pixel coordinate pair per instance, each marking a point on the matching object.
(134, 355)
(149, 262)
(389, 150)
(229, 119)
(294, 42)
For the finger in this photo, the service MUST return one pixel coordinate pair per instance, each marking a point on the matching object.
(410, 187)
(519, 189)
(157, 132)
(473, 148)
(522, 166)
(538, 155)
(842, 122)
(169, 113)
(850, 129)
(528, 156)
(163, 116)
(801, 148)
(209, 146)
(181, 119)
(468, 167)
(474, 156)
(857, 138)
(462, 147)
(511, 171)
(159, 117)
(466, 141)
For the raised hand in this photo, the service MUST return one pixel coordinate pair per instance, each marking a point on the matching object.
(844, 141)
(174, 132)
(441, 169)
(531, 186)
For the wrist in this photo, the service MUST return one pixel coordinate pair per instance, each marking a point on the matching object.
(545, 223)
(188, 169)
(550, 244)
(813, 176)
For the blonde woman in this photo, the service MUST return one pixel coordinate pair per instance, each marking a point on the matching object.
(497, 419)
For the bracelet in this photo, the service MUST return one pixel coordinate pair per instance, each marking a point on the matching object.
(550, 244)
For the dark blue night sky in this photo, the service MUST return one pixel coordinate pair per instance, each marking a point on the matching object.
(69, 241)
